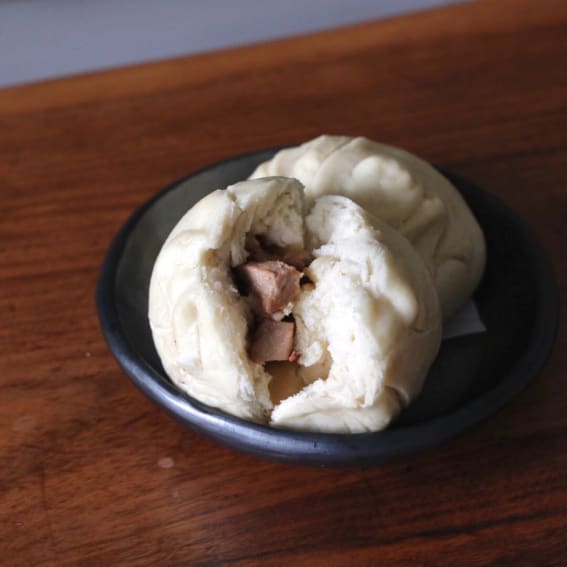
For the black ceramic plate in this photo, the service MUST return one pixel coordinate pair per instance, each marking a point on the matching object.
(472, 377)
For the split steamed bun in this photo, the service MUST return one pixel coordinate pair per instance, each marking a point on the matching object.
(401, 189)
(372, 317)
(199, 321)
(367, 323)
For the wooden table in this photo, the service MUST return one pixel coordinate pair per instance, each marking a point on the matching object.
(92, 473)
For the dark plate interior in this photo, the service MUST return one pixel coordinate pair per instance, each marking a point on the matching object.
(472, 377)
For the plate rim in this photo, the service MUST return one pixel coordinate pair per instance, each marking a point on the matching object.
(329, 448)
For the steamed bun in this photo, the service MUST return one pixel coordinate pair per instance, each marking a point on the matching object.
(401, 189)
(367, 319)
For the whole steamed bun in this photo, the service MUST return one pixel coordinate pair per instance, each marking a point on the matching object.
(367, 321)
(401, 189)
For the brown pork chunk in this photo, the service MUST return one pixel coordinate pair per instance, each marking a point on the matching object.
(272, 340)
(261, 250)
(273, 283)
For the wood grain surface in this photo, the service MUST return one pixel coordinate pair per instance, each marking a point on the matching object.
(92, 473)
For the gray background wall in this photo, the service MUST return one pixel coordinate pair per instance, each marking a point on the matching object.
(41, 39)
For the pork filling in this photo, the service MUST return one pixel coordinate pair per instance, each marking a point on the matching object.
(273, 286)
(271, 279)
